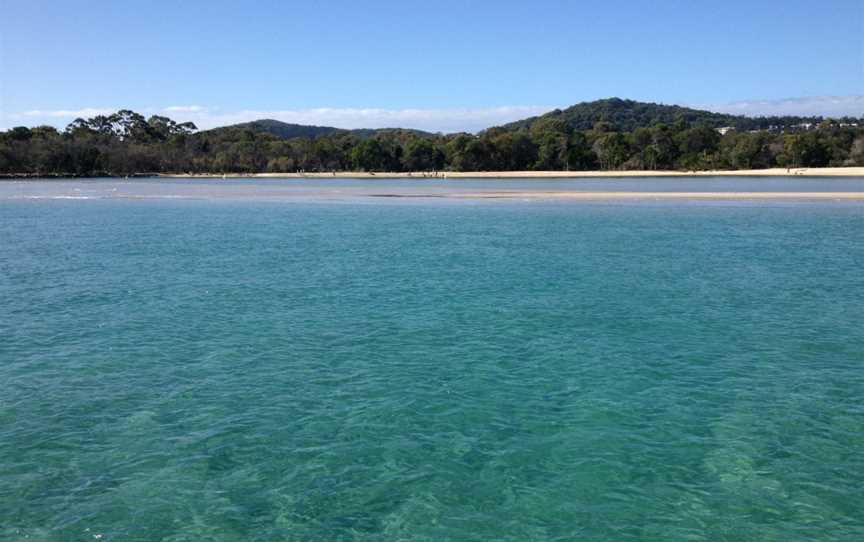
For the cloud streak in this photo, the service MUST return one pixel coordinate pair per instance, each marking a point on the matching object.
(430, 119)
(814, 106)
(185, 109)
(64, 113)
(433, 120)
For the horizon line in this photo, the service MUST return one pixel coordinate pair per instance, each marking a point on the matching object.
(434, 120)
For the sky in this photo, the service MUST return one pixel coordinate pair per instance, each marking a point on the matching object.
(440, 66)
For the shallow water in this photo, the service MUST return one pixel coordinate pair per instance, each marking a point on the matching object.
(339, 189)
(245, 370)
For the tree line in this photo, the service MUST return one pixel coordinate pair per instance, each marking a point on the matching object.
(627, 115)
(127, 143)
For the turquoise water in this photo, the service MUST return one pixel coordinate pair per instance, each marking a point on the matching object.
(426, 370)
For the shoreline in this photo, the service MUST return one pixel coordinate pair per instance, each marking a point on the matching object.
(573, 195)
(586, 195)
(852, 171)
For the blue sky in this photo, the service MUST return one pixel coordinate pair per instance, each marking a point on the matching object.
(435, 65)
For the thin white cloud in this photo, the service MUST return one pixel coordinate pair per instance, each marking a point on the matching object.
(822, 106)
(65, 113)
(184, 109)
(433, 120)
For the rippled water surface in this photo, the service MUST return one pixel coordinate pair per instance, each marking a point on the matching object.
(187, 370)
(346, 189)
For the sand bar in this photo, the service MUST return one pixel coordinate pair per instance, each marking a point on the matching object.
(859, 196)
(855, 171)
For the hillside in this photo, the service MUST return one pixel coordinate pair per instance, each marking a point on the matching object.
(281, 129)
(285, 130)
(636, 136)
(622, 115)
(627, 115)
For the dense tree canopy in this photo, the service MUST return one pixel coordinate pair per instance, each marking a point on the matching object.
(630, 139)
(628, 115)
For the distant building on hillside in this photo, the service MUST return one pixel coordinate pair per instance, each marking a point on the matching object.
(725, 130)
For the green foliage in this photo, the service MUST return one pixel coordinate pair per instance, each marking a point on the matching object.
(370, 155)
(285, 130)
(697, 148)
(609, 134)
(611, 150)
(856, 153)
(580, 156)
(515, 151)
(747, 151)
(422, 155)
(551, 137)
(807, 150)
(615, 114)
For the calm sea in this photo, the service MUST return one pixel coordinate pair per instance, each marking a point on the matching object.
(207, 360)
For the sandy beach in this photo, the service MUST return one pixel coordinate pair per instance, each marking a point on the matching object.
(856, 171)
(666, 195)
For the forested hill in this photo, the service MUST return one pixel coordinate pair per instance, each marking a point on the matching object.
(608, 135)
(614, 114)
(285, 130)
(627, 115)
